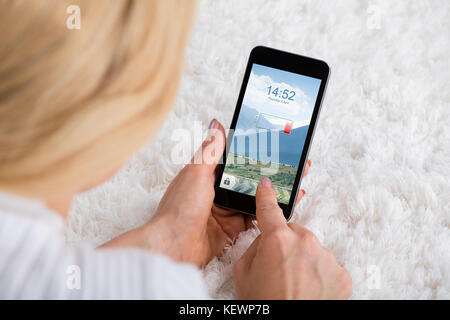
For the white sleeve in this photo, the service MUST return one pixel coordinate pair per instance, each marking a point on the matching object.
(36, 264)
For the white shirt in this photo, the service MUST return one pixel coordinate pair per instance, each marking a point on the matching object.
(35, 263)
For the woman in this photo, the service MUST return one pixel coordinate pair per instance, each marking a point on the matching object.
(74, 106)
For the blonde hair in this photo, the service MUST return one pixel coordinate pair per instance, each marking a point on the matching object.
(74, 104)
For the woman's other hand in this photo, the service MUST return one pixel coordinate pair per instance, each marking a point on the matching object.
(286, 261)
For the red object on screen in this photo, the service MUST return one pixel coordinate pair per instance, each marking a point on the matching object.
(288, 127)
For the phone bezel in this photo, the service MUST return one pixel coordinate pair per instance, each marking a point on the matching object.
(288, 62)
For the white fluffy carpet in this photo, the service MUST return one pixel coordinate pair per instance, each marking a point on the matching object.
(378, 193)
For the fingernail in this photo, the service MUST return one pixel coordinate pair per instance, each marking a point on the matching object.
(303, 192)
(214, 124)
(266, 183)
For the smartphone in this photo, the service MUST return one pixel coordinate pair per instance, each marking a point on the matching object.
(272, 128)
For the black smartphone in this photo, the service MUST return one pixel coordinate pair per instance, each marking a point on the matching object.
(272, 128)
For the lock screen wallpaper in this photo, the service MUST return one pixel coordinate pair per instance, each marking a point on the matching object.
(271, 131)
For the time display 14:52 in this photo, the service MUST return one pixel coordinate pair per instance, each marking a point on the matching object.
(285, 94)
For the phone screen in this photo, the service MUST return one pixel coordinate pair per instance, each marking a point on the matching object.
(270, 131)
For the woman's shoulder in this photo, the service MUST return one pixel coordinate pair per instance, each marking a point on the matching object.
(36, 263)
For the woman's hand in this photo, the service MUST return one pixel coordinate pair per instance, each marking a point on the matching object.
(286, 261)
(183, 226)
(187, 226)
(233, 222)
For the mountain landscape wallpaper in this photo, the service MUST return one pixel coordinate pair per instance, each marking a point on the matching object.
(256, 153)
(287, 151)
(270, 132)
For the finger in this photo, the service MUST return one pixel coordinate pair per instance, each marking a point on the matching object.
(248, 256)
(217, 239)
(300, 195)
(223, 212)
(249, 221)
(302, 192)
(297, 227)
(305, 233)
(308, 165)
(268, 212)
(231, 222)
(210, 152)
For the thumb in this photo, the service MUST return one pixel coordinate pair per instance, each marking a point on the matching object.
(244, 263)
(211, 151)
(268, 212)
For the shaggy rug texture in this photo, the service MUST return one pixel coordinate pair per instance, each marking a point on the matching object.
(378, 192)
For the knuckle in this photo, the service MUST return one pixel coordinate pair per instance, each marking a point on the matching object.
(280, 239)
(279, 235)
(309, 239)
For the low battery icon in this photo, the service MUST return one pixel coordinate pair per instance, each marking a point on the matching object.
(271, 122)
